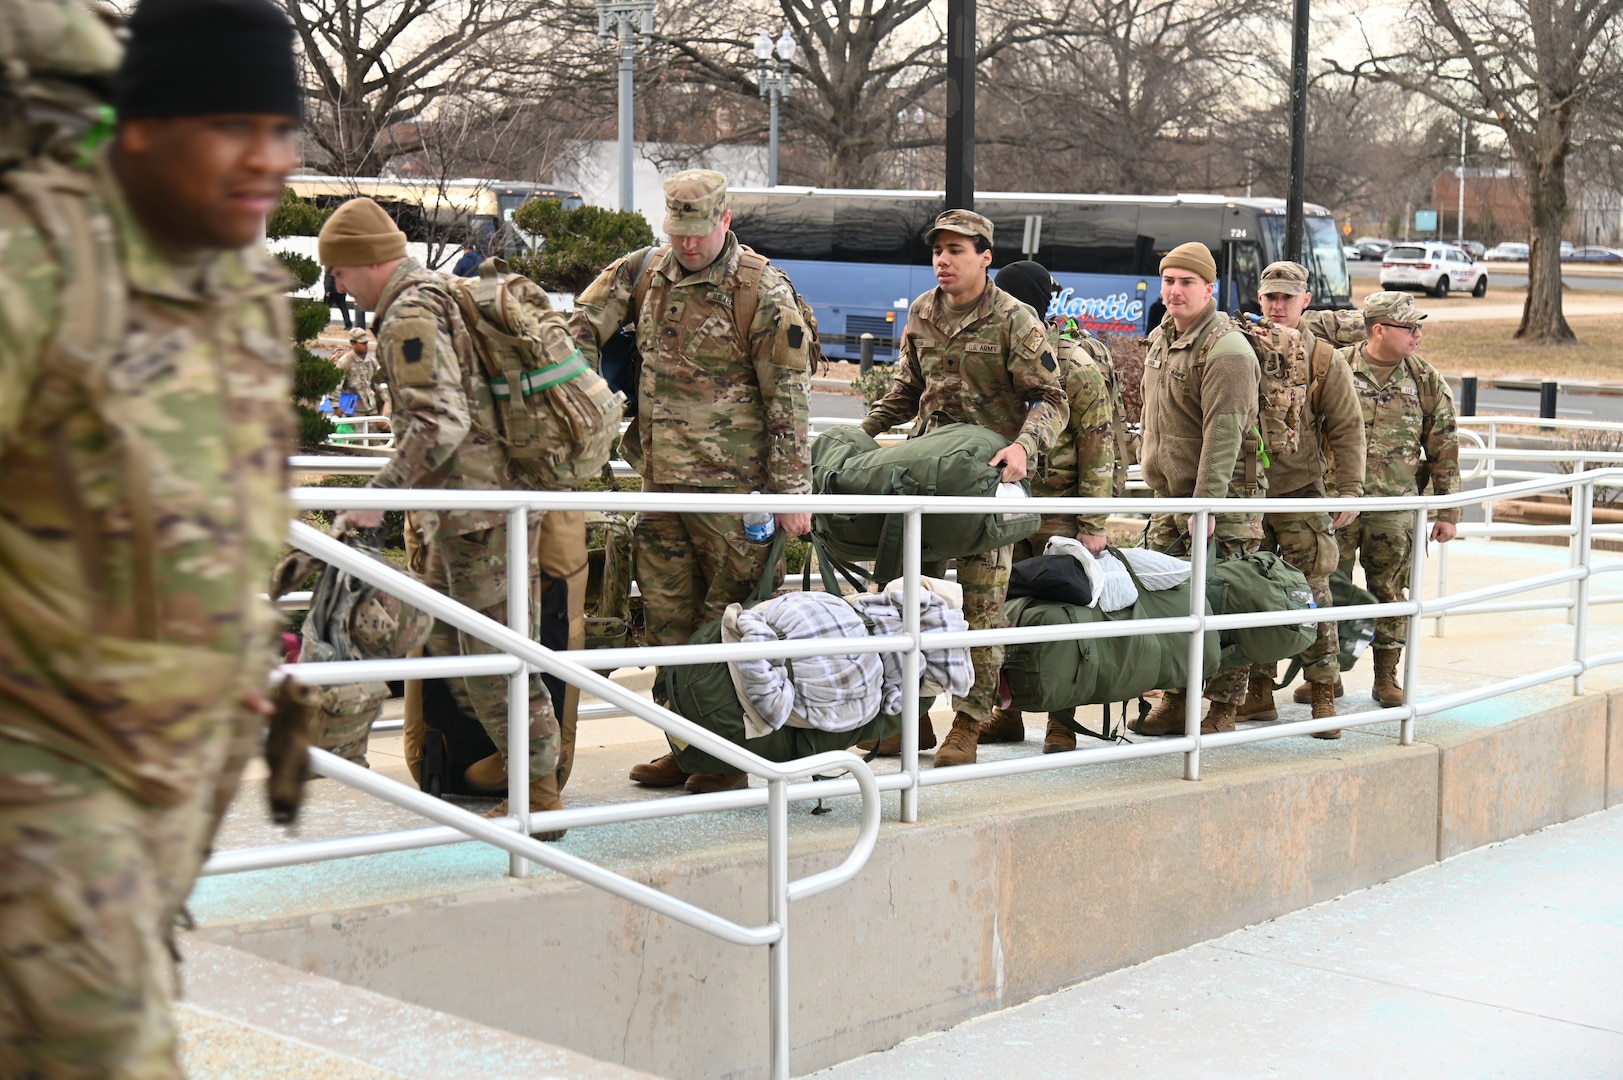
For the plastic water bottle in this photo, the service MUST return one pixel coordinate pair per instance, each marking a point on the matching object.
(759, 525)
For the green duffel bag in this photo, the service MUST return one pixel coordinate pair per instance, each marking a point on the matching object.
(1261, 581)
(1044, 676)
(1353, 636)
(950, 460)
(705, 694)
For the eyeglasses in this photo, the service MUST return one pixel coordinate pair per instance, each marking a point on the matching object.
(1406, 327)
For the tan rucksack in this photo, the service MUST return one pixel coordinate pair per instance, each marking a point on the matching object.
(559, 419)
(1293, 368)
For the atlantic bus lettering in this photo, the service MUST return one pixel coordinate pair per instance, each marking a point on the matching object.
(1117, 313)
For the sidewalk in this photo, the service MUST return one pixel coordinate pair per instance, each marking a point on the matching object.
(1500, 962)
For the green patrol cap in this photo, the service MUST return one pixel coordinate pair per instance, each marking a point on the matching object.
(694, 201)
(963, 222)
(1391, 307)
(1283, 279)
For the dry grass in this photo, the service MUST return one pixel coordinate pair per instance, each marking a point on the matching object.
(1488, 350)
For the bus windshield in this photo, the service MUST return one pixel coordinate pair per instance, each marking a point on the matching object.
(1328, 278)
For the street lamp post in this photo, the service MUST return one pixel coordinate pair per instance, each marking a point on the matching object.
(774, 79)
(623, 21)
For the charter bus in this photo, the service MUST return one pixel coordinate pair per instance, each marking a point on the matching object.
(483, 207)
(859, 257)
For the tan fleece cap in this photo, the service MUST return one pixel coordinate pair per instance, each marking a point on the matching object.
(360, 233)
(1191, 256)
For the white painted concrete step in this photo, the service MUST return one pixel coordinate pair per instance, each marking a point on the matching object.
(1502, 962)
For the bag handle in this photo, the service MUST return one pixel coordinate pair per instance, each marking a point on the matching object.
(1128, 566)
(763, 587)
(827, 564)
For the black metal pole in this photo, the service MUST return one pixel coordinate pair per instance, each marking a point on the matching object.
(1293, 200)
(960, 105)
(1468, 385)
(1547, 392)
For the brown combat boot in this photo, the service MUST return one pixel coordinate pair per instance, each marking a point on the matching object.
(1058, 738)
(704, 783)
(487, 774)
(1220, 717)
(1165, 719)
(1004, 726)
(958, 748)
(543, 796)
(1304, 693)
(891, 745)
(1324, 705)
(1386, 690)
(1259, 696)
(661, 772)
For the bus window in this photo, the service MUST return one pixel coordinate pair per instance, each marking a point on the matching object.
(1328, 279)
(1163, 226)
(1244, 277)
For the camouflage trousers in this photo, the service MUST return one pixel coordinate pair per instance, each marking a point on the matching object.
(472, 570)
(90, 887)
(1308, 543)
(561, 558)
(689, 568)
(985, 581)
(1384, 543)
(1236, 534)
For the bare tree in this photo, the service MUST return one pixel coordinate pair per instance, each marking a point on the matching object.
(1530, 68)
(375, 66)
(1125, 96)
(858, 63)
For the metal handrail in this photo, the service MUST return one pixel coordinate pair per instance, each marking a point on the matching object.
(518, 656)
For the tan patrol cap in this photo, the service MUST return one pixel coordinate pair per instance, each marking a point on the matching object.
(1392, 307)
(357, 334)
(1283, 279)
(694, 202)
(963, 222)
(1191, 256)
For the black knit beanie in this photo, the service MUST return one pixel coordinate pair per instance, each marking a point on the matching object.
(207, 58)
(1029, 283)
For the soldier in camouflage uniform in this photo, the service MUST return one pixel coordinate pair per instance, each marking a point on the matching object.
(1333, 423)
(1081, 463)
(1198, 441)
(144, 430)
(973, 353)
(1414, 448)
(363, 375)
(721, 409)
(445, 427)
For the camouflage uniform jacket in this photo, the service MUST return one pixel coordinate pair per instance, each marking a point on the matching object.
(110, 660)
(997, 370)
(362, 376)
(1199, 419)
(1410, 449)
(444, 419)
(710, 417)
(1339, 328)
(1337, 427)
(1082, 461)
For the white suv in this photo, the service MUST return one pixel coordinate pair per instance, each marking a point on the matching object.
(1436, 268)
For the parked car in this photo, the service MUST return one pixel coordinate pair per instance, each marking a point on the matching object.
(1473, 249)
(1597, 255)
(1349, 252)
(1436, 268)
(1372, 250)
(1509, 251)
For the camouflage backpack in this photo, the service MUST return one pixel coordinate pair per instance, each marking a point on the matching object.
(1099, 353)
(559, 420)
(1293, 368)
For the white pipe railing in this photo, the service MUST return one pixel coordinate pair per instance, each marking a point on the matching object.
(518, 657)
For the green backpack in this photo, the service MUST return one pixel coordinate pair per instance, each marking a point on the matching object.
(706, 695)
(1353, 636)
(1045, 676)
(950, 460)
(1261, 581)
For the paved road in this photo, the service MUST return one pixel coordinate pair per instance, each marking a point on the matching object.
(1501, 962)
